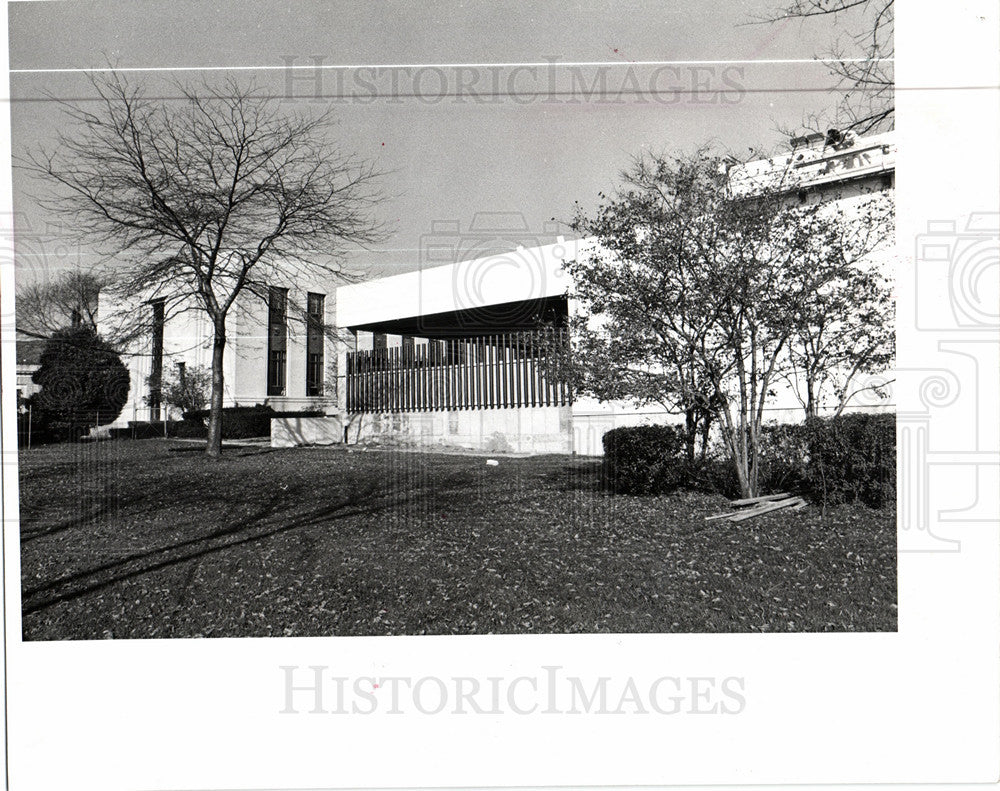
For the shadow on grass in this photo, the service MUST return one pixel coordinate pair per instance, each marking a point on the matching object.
(583, 475)
(368, 498)
(231, 450)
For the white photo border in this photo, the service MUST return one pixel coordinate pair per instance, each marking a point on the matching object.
(916, 706)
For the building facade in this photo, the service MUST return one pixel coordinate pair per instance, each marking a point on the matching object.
(279, 350)
(28, 354)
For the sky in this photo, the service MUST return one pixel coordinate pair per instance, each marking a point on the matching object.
(479, 146)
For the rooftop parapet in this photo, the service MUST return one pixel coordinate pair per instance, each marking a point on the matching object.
(816, 161)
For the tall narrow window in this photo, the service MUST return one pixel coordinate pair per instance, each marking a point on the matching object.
(314, 344)
(277, 337)
(156, 363)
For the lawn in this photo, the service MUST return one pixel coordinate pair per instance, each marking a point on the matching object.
(137, 539)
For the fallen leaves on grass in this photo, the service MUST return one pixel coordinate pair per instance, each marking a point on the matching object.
(125, 539)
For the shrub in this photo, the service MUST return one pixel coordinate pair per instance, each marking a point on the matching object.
(784, 458)
(645, 459)
(852, 458)
(846, 459)
(188, 392)
(239, 422)
(83, 384)
(715, 475)
(145, 429)
(191, 428)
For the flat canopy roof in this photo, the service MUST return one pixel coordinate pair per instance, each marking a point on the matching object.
(490, 290)
(487, 320)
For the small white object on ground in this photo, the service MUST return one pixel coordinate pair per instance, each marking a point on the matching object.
(493, 462)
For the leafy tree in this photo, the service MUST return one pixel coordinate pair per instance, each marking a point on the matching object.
(205, 201)
(695, 292)
(845, 330)
(626, 347)
(188, 390)
(83, 383)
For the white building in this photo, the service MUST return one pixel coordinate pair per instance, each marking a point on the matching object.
(273, 354)
(445, 356)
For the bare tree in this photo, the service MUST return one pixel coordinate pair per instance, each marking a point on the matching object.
(206, 199)
(44, 307)
(861, 60)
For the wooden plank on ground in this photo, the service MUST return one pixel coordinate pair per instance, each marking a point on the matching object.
(723, 516)
(761, 499)
(766, 508)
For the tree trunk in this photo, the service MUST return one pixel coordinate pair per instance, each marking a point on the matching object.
(690, 432)
(214, 447)
(743, 478)
(738, 457)
(706, 428)
(810, 397)
(731, 430)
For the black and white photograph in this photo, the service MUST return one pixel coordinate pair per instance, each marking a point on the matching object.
(370, 364)
(597, 331)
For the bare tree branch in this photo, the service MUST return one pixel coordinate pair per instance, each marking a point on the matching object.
(43, 307)
(861, 60)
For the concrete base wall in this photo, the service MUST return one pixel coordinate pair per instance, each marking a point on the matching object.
(290, 432)
(538, 430)
(527, 430)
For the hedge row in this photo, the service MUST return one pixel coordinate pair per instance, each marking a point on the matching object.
(240, 422)
(852, 458)
(847, 459)
(645, 459)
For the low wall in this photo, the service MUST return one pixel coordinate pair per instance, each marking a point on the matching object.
(525, 430)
